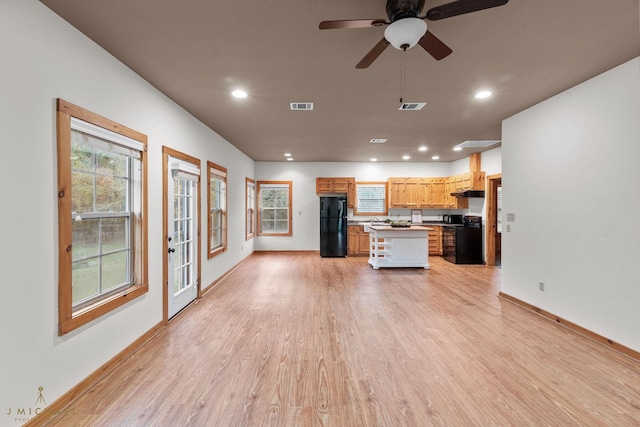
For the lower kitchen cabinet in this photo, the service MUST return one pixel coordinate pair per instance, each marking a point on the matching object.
(435, 240)
(357, 241)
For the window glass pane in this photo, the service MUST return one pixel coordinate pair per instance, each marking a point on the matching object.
(114, 234)
(81, 155)
(282, 213)
(111, 194)
(82, 192)
(114, 270)
(111, 164)
(267, 225)
(85, 238)
(177, 280)
(215, 238)
(86, 279)
(281, 225)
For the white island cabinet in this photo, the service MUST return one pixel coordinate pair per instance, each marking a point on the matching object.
(399, 246)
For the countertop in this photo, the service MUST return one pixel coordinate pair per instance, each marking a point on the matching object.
(423, 223)
(411, 228)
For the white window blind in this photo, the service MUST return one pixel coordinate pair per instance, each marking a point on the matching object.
(185, 170)
(370, 198)
(107, 140)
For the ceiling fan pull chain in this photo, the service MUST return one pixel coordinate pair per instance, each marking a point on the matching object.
(402, 61)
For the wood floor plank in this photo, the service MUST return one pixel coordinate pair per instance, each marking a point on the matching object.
(292, 339)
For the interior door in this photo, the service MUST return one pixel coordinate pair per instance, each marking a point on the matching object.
(182, 234)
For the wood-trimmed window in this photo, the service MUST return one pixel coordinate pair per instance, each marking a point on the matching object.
(250, 209)
(371, 198)
(274, 208)
(217, 203)
(102, 215)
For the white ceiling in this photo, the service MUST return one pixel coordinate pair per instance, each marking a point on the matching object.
(197, 51)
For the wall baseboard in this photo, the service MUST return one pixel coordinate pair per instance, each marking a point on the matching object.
(62, 403)
(574, 327)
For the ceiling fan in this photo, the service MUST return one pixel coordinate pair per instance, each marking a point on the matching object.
(406, 27)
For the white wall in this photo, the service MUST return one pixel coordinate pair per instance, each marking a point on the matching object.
(44, 58)
(571, 178)
(492, 161)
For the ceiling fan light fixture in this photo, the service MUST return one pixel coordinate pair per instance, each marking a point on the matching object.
(405, 33)
(239, 93)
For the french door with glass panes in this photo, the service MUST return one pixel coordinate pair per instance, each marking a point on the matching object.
(182, 234)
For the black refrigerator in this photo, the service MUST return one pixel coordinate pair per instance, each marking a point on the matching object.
(333, 226)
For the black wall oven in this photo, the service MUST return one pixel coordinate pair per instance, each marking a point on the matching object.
(462, 244)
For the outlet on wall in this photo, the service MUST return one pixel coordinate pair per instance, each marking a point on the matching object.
(541, 286)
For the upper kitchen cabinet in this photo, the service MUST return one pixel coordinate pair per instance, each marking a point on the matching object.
(468, 181)
(338, 185)
(437, 187)
(404, 193)
(451, 202)
(433, 193)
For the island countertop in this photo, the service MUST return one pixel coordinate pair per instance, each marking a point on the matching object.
(388, 227)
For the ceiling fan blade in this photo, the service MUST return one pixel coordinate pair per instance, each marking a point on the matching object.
(434, 46)
(373, 54)
(461, 7)
(352, 23)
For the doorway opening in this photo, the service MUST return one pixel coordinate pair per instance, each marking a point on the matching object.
(494, 223)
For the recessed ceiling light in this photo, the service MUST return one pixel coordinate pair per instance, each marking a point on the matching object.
(435, 158)
(423, 148)
(483, 94)
(457, 148)
(405, 157)
(239, 93)
(289, 159)
(373, 159)
(287, 154)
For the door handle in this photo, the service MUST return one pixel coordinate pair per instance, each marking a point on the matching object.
(171, 250)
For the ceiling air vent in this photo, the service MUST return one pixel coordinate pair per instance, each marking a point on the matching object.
(304, 106)
(412, 106)
(378, 140)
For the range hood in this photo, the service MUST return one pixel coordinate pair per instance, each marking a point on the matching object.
(469, 193)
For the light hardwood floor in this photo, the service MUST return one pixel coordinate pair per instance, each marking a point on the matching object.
(293, 339)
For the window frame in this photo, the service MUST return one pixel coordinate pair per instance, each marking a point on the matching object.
(369, 183)
(250, 209)
(259, 185)
(219, 173)
(70, 318)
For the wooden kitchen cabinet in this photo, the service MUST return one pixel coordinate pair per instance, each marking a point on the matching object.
(353, 244)
(404, 193)
(363, 243)
(351, 193)
(338, 185)
(396, 193)
(424, 193)
(435, 240)
(357, 241)
(432, 193)
(324, 185)
(437, 193)
(452, 202)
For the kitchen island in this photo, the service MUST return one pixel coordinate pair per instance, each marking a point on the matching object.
(399, 246)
